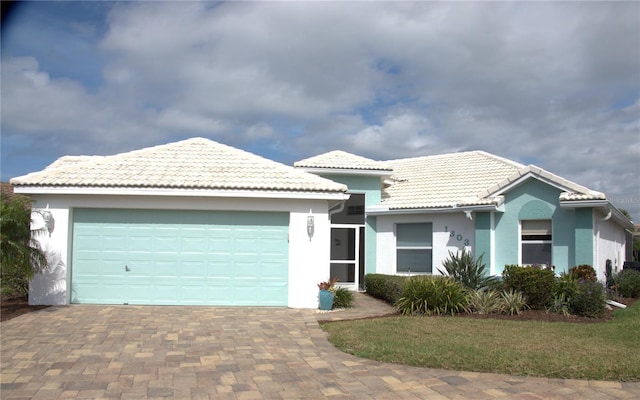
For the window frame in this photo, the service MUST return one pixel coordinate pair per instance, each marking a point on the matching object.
(400, 248)
(545, 238)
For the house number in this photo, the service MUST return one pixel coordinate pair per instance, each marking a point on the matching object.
(458, 237)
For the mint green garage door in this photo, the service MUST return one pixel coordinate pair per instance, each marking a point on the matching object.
(179, 257)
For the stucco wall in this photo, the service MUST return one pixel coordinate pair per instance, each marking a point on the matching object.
(534, 199)
(451, 232)
(484, 239)
(609, 245)
(308, 257)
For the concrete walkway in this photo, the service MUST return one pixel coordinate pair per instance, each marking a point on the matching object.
(137, 352)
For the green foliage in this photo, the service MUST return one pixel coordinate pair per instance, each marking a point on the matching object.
(343, 298)
(489, 301)
(432, 295)
(20, 254)
(485, 302)
(513, 302)
(463, 268)
(627, 283)
(496, 284)
(573, 294)
(590, 301)
(535, 283)
(566, 286)
(385, 287)
(560, 304)
(584, 272)
(603, 351)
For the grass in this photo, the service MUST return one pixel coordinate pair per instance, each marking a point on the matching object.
(599, 351)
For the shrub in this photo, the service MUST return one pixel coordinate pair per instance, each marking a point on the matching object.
(343, 298)
(485, 301)
(20, 254)
(496, 284)
(432, 295)
(559, 305)
(590, 301)
(584, 272)
(384, 287)
(469, 272)
(535, 283)
(513, 302)
(627, 283)
(566, 286)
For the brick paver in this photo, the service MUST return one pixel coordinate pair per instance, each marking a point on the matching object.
(137, 352)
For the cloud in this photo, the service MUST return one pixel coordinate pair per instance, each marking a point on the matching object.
(555, 84)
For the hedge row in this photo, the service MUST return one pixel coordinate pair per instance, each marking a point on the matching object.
(385, 287)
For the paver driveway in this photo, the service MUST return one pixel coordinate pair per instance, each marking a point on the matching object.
(129, 352)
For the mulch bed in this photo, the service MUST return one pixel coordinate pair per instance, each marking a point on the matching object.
(542, 315)
(11, 307)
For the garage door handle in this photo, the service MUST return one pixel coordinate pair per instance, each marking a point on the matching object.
(126, 268)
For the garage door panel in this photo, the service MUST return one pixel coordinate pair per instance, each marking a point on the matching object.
(219, 258)
(220, 270)
(246, 270)
(270, 271)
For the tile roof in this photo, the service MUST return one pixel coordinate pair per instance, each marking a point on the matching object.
(471, 178)
(444, 180)
(196, 163)
(572, 191)
(342, 160)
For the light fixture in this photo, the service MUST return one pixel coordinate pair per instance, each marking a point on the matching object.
(310, 225)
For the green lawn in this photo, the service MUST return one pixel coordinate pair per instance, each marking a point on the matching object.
(602, 351)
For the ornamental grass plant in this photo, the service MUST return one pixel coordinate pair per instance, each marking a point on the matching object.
(428, 295)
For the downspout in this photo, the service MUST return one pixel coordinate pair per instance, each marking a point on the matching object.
(337, 209)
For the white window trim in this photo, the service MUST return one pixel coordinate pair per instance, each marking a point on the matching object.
(395, 232)
(520, 243)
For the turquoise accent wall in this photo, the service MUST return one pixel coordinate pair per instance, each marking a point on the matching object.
(483, 237)
(534, 199)
(584, 236)
(372, 188)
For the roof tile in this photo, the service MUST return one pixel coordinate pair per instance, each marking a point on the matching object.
(193, 163)
(342, 160)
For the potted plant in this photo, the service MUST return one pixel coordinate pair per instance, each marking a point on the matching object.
(326, 295)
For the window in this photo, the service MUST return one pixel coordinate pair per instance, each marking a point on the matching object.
(536, 242)
(414, 248)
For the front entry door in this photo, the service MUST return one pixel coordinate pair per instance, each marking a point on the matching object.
(347, 243)
(344, 257)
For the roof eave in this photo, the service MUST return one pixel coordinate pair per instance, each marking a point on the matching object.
(381, 210)
(346, 171)
(604, 206)
(182, 192)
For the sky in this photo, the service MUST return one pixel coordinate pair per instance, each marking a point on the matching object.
(554, 84)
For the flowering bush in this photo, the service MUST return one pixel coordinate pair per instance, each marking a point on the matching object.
(590, 300)
(585, 272)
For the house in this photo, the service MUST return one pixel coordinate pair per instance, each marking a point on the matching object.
(199, 222)
(427, 207)
(191, 222)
